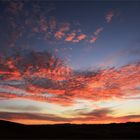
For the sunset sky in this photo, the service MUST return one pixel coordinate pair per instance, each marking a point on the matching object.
(69, 62)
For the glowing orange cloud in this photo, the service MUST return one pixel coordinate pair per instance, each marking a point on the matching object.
(70, 37)
(59, 34)
(79, 38)
(49, 79)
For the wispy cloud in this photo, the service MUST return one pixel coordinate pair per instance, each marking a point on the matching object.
(98, 31)
(109, 16)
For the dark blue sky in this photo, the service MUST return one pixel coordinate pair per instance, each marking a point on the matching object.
(114, 43)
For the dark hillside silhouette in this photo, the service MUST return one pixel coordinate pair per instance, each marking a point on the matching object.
(129, 130)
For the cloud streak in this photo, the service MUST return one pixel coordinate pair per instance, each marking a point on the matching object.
(98, 31)
(96, 117)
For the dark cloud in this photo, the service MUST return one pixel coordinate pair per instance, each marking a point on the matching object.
(99, 112)
(13, 116)
(30, 116)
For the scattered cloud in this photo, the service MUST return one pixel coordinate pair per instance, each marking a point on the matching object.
(42, 26)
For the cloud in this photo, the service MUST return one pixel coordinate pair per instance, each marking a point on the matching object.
(80, 37)
(59, 34)
(70, 37)
(46, 65)
(14, 116)
(74, 38)
(62, 29)
(40, 26)
(106, 119)
(102, 112)
(44, 77)
(96, 35)
(98, 31)
(23, 108)
(93, 39)
(49, 118)
(109, 16)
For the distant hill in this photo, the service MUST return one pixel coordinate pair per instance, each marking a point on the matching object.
(123, 130)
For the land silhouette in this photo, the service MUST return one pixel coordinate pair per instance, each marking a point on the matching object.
(130, 130)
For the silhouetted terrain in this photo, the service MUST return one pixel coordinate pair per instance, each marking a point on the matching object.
(123, 130)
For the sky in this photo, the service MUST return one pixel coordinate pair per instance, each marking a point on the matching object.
(70, 61)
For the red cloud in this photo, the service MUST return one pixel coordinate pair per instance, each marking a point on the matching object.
(45, 74)
(79, 38)
(59, 34)
(70, 37)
